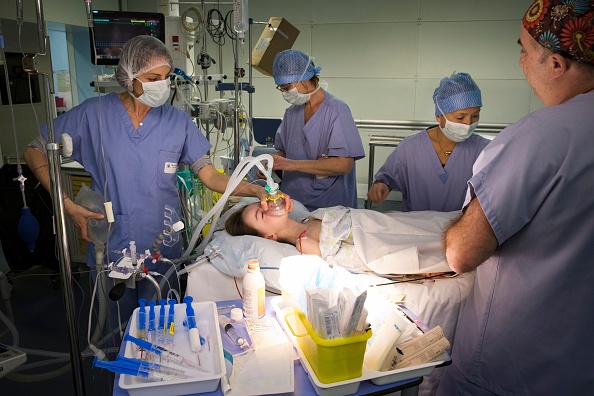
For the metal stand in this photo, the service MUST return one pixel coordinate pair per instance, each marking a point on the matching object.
(54, 164)
(236, 108)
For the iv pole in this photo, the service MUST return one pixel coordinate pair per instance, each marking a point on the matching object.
(54, 162)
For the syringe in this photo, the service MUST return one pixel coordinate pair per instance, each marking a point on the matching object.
(231, 331)
(152, 329)
(153, 366)
(192, 328)
(170, 329)
(161, 328)
(165, 354)
(138, 370)
(141, 326)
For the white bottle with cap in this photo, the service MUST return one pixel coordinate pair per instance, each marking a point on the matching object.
(253, 291)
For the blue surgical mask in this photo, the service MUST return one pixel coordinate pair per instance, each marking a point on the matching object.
(156, 93)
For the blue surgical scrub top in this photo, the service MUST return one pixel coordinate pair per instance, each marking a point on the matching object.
(525, 327)
(137, 166)
(331, 131)
(414, 169)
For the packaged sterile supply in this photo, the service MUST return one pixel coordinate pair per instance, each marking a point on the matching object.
(385, 335)
(253, 291)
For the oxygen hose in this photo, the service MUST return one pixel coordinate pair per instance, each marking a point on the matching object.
(240, 171)
(99, 249)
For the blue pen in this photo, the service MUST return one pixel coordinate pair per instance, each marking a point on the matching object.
(170, 330)
(152, 329)
(165, 354)
(141, 328)
(161, 328)
(192, 328)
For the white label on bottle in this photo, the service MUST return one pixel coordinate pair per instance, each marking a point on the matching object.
(253, 302)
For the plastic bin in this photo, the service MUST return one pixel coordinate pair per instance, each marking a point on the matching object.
(211, 358)
(331, 360)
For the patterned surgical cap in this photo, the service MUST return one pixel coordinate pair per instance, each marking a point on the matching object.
(565, 27)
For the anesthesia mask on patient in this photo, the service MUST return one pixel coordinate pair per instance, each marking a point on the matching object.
(276, 200)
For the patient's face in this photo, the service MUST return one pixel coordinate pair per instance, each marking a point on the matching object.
(265, 224)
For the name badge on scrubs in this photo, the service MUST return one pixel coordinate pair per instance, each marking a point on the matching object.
(170, 167)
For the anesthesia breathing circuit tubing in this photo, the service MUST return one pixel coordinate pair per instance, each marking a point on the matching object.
(240, 171)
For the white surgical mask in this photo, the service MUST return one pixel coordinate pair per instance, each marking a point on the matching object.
(297, 98)
(456, 131)
(156, 93)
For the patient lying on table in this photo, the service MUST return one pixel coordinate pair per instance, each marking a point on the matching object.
(359, 240)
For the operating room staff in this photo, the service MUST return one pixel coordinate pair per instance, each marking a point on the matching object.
(317, 141)
(131, 144)
(431, 168)
(528, 227)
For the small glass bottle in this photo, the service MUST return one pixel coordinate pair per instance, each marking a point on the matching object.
(253, 291)
(276, 201)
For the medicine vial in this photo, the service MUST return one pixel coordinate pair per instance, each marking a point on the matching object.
(253, 291)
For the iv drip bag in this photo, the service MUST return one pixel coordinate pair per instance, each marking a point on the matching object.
(240, 16)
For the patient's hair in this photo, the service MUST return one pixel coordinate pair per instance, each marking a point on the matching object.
(235, 225)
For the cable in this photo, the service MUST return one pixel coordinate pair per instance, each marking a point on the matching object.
(195, 29)
(229, 27)
(237, 287)
(218, 30)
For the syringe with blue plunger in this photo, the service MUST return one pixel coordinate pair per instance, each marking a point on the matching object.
(139, 368)
(192, 327)
(165, 354)
(152, 328)
(161, 326)
(141, 325)
(170, 329)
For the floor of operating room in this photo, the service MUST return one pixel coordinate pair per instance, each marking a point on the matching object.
(39, 316)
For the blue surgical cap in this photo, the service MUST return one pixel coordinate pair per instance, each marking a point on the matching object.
(458, 91)
(289, 66)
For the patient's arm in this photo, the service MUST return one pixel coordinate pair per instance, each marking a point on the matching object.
(470, 240)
